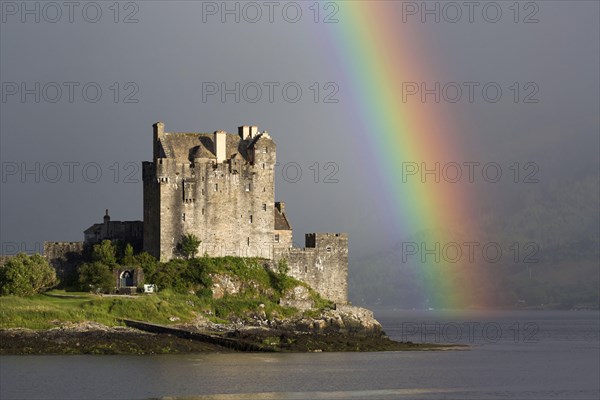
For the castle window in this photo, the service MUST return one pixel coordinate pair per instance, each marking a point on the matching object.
(202, 192)
(251, 219)
(183, 216)
(248, 241)
(263, 165)
(203, 211)
(265, 150)
(248, 187)
(277, 238)
(216, 187)
(264, 207)
(328, 248)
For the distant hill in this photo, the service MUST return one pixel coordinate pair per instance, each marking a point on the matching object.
(562, 219)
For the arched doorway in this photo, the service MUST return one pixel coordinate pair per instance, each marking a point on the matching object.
(126, 278)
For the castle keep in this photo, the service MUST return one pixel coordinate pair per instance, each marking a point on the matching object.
(221, 188)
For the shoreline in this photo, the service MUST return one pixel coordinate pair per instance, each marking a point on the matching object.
(96, 339)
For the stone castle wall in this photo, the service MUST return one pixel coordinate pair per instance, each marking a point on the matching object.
(64, 257)
(322, 263)
(221, 188)
(228, 205)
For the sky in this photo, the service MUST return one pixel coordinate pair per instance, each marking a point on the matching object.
(82, 86)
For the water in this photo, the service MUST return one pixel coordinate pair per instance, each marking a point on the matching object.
(514, 355)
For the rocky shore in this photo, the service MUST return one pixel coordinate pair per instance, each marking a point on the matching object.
(346, 328)
(93, 338)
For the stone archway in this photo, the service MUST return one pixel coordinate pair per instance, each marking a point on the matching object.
(126, 278)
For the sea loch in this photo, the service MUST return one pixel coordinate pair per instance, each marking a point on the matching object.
(560, 361)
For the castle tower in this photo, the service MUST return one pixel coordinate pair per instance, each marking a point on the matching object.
(219, 187)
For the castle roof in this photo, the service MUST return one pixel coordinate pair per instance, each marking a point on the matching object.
(281, 221)
(187, 146)
(96, 228)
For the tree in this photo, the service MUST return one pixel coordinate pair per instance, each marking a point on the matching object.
(96, 277)
(25, 275)
(189, 245)
(147, 262)
(128, 258)
(105, 252)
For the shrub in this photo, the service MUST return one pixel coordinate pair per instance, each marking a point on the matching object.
(172, 275)
(105, 252)
(189, 245)
(96, 277)
(25, 275)
(128, 258)
(147, 262)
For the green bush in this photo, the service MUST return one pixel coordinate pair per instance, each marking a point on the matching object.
(128, 257)
(189, 245)
(25, 275)
(171, 275)
(96, 277)
(147, 262)
(105, 252)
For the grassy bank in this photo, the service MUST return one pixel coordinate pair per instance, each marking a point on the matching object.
(187, 292)
(47, 310)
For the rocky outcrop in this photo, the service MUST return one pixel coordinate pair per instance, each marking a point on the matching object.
(230, 285)
(225, 285)
(298, 297)
(344, 319)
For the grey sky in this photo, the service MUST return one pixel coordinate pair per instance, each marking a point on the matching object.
(170, 51)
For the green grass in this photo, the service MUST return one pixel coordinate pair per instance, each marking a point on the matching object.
(45, 310)
(262, 291)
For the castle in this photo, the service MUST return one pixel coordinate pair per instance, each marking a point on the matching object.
(221, 188)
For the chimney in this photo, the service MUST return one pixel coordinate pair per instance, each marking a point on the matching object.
(159, 132)
(105, 229)
(245, 132)
(159, 129)
(220, 141)
(280, 206)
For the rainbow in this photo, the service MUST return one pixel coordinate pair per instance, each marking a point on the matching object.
(376, 53)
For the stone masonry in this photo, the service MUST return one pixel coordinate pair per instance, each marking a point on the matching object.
(220, 187)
